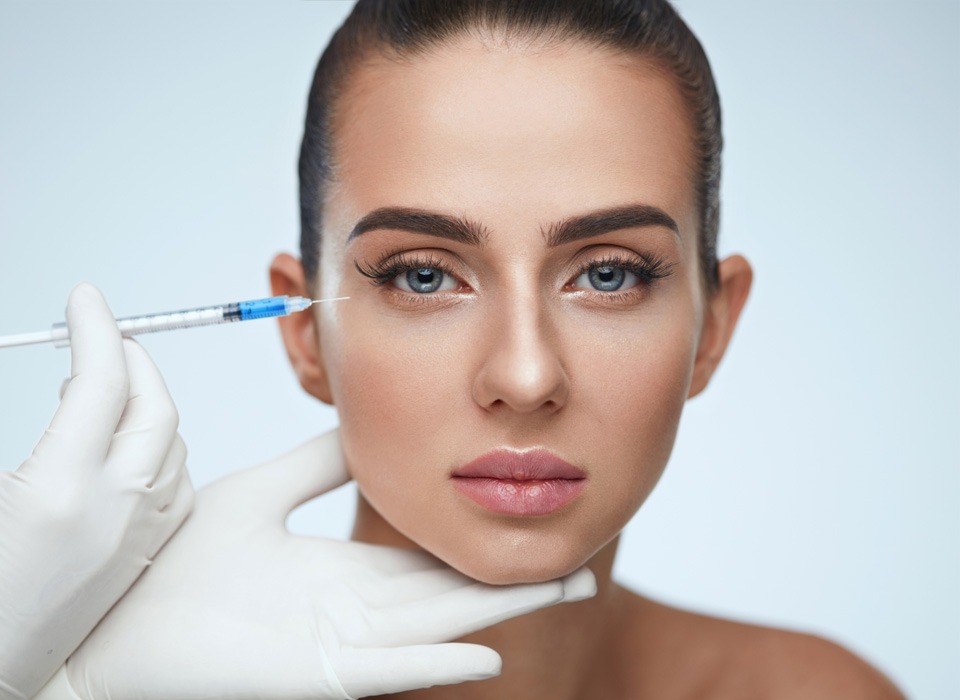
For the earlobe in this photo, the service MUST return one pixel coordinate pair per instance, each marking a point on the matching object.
(299, 331)
(720, 319)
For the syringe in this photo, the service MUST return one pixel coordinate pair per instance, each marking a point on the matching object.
(59, 335)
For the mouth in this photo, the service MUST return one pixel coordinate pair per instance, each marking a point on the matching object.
(529, 483)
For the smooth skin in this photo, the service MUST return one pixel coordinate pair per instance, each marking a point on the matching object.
(281, 616)
(517, 347)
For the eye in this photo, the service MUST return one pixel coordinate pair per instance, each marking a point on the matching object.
(414, 275)
(424, 280)
(607, 278)
(619, 275)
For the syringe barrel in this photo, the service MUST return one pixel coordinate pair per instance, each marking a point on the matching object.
(263, 308)
(152, 323)
(190, 318)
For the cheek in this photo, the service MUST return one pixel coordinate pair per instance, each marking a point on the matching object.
(398, 392)
(650, 382)
(632, 394)
(403, 388)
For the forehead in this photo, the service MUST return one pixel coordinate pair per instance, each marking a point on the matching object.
(514, 137)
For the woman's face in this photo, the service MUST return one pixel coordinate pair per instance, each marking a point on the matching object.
(543, 298)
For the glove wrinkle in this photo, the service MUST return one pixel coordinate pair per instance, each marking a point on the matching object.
(77, 523)
(278, 616)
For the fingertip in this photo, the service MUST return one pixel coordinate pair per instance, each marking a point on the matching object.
(83, 288)
(579, 585)
(403, 668)
(86, 306)
(466, 662)
(489, 663)
(139, 362)
(82, 294)
(131, 346)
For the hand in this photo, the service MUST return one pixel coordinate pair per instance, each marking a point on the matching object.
(236, 606)
(103, 490)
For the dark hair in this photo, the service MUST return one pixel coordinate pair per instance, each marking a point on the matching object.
(648, 28)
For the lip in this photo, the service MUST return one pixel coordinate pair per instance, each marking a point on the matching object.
(511, 482)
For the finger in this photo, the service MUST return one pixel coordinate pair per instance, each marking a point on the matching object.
(579, 585)
(161, 492)
(93, 400)
(160, 514)
(370, 569)
(366, 672)
(409, 587)
(148, 423)
(461, 611)
(384, 560)
(270, 491)
(174, 514)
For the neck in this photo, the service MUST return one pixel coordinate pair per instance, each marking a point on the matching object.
(563, 652)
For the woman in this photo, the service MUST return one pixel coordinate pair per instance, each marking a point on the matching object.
(521, 200)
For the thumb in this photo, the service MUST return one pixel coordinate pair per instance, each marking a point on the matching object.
(366, 672)
(80, 433)
(269, 492)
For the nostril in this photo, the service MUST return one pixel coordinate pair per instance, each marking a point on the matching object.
(522, 370)
(520, 396)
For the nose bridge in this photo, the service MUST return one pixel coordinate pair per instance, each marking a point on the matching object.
(522, 365)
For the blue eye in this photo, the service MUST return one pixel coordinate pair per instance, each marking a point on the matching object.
(424, 280)
(422, 276)
(606, 278)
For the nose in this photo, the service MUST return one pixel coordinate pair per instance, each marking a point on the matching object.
(521, 367)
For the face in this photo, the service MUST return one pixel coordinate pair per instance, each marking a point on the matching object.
(523, 288)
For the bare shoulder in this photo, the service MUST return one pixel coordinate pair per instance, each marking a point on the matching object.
(807, 666)
(685, 654)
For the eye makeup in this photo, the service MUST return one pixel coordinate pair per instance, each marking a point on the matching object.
(646, 271)
(391, 266)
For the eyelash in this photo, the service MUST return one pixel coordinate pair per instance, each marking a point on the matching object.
(648, 272)
(387, 269)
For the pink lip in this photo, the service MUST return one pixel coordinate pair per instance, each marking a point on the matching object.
(535, 482)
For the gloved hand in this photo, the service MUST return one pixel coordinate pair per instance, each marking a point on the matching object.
(235, 606)
(103, 490)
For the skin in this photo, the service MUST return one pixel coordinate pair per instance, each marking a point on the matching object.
(518, 349)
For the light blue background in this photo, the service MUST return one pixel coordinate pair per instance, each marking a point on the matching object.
(150, 148)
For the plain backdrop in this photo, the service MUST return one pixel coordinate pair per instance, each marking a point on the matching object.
(150, 148)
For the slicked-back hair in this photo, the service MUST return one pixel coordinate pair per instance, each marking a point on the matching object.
(649, 29)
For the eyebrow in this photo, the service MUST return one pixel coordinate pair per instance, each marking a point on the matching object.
(463, 230)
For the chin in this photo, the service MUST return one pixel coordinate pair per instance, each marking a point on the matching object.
(514, 575)
(516, 559)
(489, 549)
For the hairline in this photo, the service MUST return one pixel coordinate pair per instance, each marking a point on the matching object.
(554, 37)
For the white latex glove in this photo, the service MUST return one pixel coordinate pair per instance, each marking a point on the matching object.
(103, 490)
(237, 607)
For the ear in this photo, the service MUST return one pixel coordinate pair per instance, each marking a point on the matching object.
(720, 318)
(300, 333)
